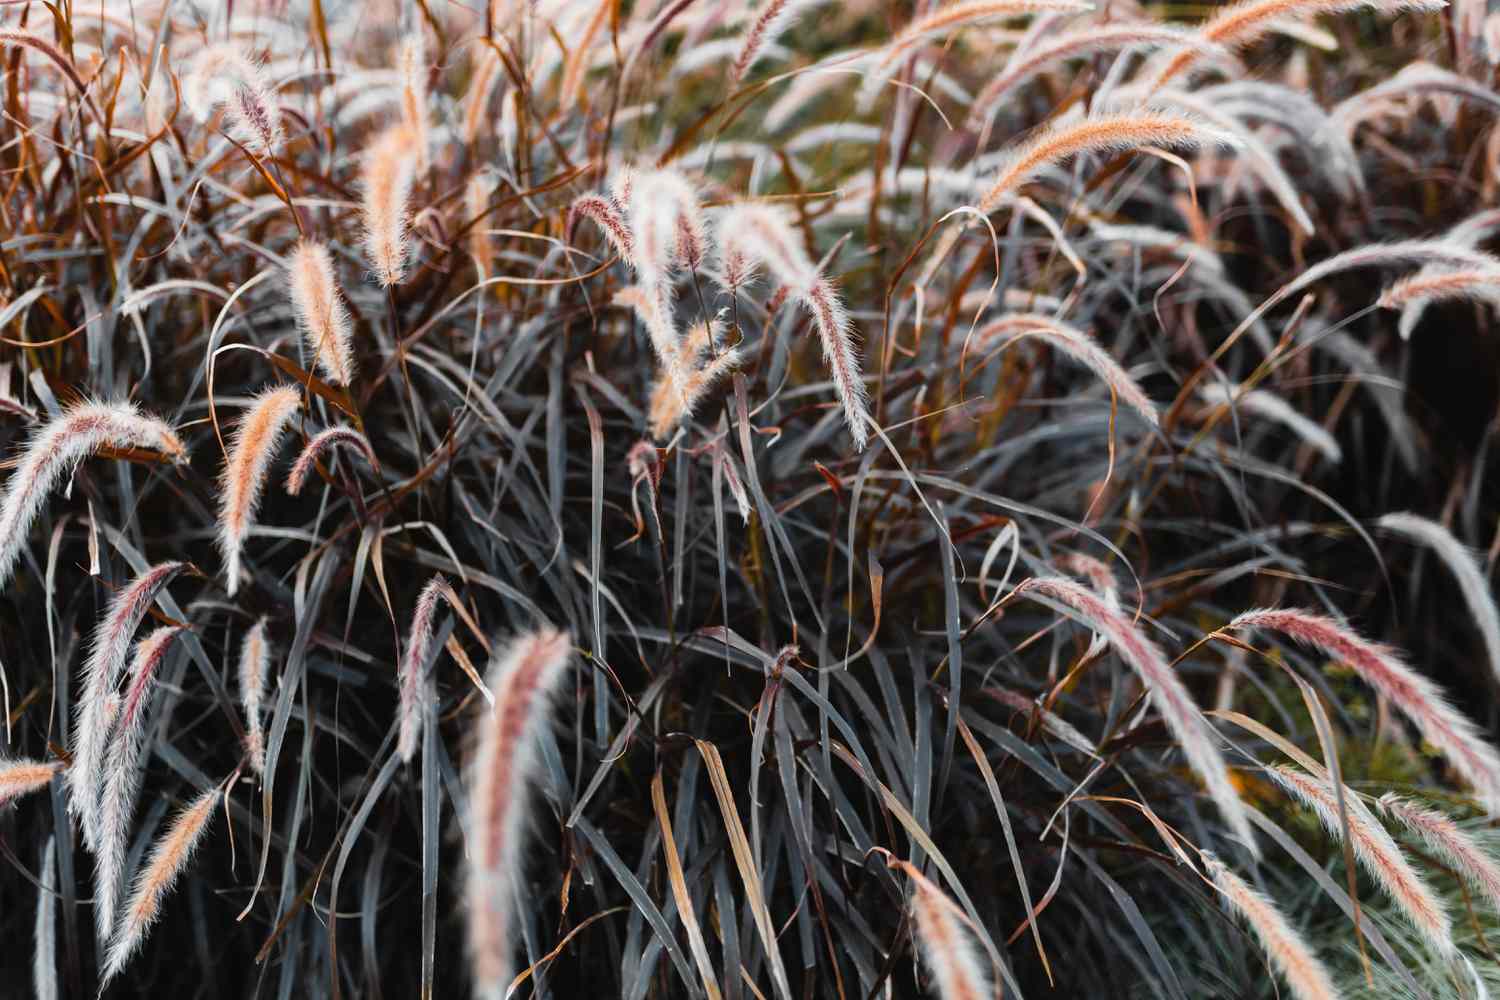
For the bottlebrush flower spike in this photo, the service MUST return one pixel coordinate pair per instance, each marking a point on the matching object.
(250, 455)
(412, 65)
(97, 714)
(1475, 285)
(947, 943)
(156, 878)
(321, 442)
(61, 443)
(1103, 133)
(750, 235)
(1307, 977)
(1079, 346)
(1376, 851)
(522, 678)
(609, 216)
(254, 673)
(386, 179)
(1467, 567)
(1273, 407)
(1413, 695)
(412, 675)
(1167, 691)
(22, 777)
(1445, 839)
(121, 780)
(321, 313)
(221, 75)
(771, 21)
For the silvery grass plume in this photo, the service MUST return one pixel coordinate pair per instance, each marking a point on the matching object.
(321, 314)
(1167, 692)
(771, 20)
(522, 678)
(1294, 959)
(386, 178)
(1240, 24)
(1376, 851)
(412, 675)
(250, 455)
(222, 76)
(1445, 839)
(951, 18)
(320, 443)
(1078, 346)
(1413, 695)
(673, 403)
(58, 447)
(666, 234)
(947, 943)
(20, 777)
(1115, 132)
(121, 780)
(1467, 568)
(411, 63)
(254, 674)
(98, 709)
(155, 879)
(1271, 406)
(756, 235)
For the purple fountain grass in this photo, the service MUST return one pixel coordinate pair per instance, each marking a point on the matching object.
(386, 179)
(1416, 697)
(948, 947)
(1444, 837)
(412, 674)
(771, 20)
(609, 216)
(321, 314)
(20, 777)
(254, 674)
(121, 778)
(485, 70)
(338, 434)
(1273, 407)
(753, 235)
(222, 76)
(1078, 346)
(1307, 977)
(95, 721)
(250, 455)
(1376, 851)
(57, 447)
(411, 64)
(1474, 285)
(158, 874)
(1467, 567)
(522, 678)
(1167, 692)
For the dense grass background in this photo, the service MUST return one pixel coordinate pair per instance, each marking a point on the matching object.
(143, 256)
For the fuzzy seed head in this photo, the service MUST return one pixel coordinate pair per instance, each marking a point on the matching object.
(250, 455)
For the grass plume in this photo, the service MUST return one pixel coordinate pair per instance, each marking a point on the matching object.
(244, 479)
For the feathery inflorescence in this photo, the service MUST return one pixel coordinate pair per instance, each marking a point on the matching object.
(412, 677)
(1117, 132)
(1444, 837)
(1467, 568)
(21, 777)
(755, 235)
(57, 448)
(1413, 695)
(320, 443)
(321, 313)
(1167, 691)
(1475, 284)
(522, 678)
(386, 179)
(1079, 346)
(412, 65)
(254, 674)
(1376, 851)
(222, 76)
(121, 780)
(155, 879)
(1304, 974)
(250, 455)
(947, 945)
(772, 19)
(97, 715)
(1273, 407)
